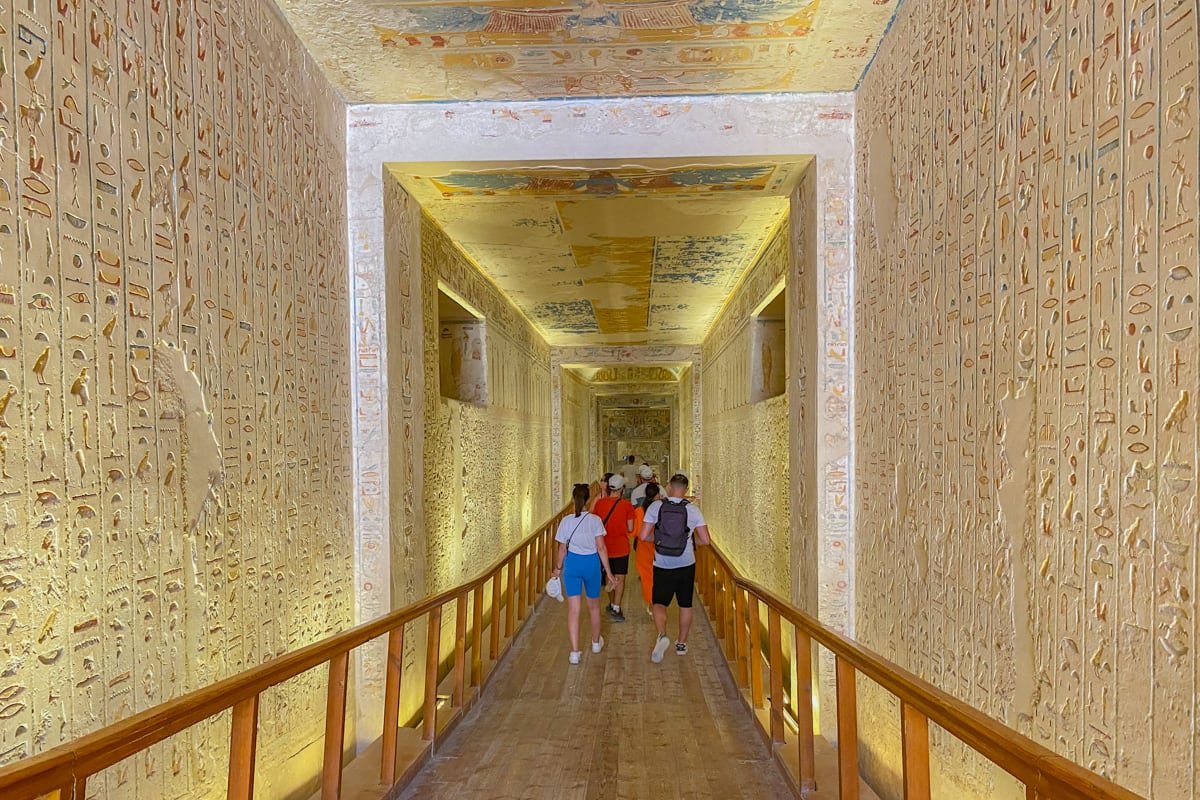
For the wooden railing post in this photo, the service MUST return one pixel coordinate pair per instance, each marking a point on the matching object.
(847, 731)
(804, 711)
(543, 565)
(523, 607)
(243, 745)
(494, 633)
(710, 576)
(73, 789)
(914, 737)
(432, 659)
(775, 659)
(477, 636)
(510, 619)
(460, 649)
(391, 705)
(335, 727)
(743, 651)
(717, 603)
(731, 619)
(756, 665)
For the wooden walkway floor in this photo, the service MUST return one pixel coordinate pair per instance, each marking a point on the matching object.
(616, 727)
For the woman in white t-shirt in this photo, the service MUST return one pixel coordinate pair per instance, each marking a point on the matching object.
(581, 551)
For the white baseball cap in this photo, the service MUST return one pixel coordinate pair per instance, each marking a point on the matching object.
(646, 472)
(554, 588)
(616, 482)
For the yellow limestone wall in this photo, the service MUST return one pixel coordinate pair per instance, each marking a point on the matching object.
(1027, 376)
(686, 424)
(746, 459)
(174, 463)
(577, 466)
(487, 468)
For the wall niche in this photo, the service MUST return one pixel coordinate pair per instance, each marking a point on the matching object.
(462, 347)
(768, 347)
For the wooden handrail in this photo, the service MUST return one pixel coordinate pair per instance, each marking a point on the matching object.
(1045, 773)
(70, 764)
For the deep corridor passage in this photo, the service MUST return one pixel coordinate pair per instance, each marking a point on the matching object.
(616, 726)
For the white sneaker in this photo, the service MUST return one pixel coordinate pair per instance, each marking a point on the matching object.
(681, 648)
(576, 655)
(598, 646)
(660, 647)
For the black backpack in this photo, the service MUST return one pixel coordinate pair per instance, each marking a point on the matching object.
(671, 531)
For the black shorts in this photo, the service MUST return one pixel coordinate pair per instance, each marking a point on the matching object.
(619, 564)
(677, 583)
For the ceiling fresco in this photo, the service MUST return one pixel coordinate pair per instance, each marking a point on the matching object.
(604, 253)
(388, 51)
(628, 374)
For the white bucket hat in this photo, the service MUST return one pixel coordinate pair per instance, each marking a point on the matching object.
(554, 588)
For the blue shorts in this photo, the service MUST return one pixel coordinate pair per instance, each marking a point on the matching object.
(580, 574)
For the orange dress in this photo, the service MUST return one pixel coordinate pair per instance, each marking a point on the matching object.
(645, 557)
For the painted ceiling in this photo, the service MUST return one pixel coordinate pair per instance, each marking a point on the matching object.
(628, 373)
(391, 51)
(607, 253)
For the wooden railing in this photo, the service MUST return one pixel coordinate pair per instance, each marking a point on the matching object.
(735, 605)
(515, 583)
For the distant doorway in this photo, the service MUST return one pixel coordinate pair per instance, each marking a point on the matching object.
(644, 433)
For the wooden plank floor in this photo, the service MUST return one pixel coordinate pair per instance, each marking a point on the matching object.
(616, 727)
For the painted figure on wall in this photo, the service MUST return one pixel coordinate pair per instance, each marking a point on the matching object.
(463, 366)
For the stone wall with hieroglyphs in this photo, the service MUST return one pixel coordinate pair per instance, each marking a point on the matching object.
(577, 405)
(1027, 369)
(686, 421)
(174, 463)
(746, 459)
(487, 466)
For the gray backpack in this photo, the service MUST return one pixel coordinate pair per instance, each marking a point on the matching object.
(671, 532)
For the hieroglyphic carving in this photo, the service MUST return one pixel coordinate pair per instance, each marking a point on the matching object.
(1178, 281)
(746, 445)
(1138, 354)
(1064, 257)
(485, 466)
(146, 284)
(1084, 404)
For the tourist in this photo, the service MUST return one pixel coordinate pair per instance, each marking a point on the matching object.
(604, 491)
(644, 558)
(617, 515)
(676, 527)
(645, 478)
(629, 472)
(581, 553)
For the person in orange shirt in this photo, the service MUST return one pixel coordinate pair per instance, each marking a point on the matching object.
(645, 550)
(617, 514)
(603, 493)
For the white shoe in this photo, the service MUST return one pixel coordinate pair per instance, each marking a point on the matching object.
(660, 647)
(681, 648)
(598, 646)
(575, 656)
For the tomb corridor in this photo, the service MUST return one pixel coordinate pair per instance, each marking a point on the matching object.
(313, 313)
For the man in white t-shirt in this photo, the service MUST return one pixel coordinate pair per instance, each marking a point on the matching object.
(629, 472)
(675, 533)
(645, 477)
